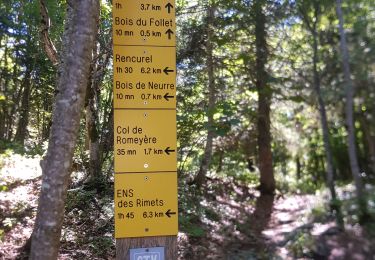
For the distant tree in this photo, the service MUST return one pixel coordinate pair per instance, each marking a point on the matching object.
(210, 67)
(267, 179)
(311, 12)
(79, 39)
(349, 113)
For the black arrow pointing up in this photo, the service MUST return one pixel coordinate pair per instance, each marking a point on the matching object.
(169, 213)
(167, 96)
(169, 32)
(169, 6)
(167, 70)
(168, 150)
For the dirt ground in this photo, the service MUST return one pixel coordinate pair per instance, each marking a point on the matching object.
(236, 223)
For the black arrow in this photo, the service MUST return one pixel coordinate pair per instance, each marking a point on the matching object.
(167, 96)
(167, 70)
(169, 32)
(169, 6)
(169, 213)
(169, 151)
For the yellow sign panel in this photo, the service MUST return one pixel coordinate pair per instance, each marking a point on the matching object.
(144, 77)
(144, 84)
(146, 204)
(137, 22)
(145, 141)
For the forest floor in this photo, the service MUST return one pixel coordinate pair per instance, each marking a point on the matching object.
(229, 221)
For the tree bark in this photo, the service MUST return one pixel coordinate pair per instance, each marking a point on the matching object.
(207, 156)
(267, 179)
(72, 82)
(349, 108)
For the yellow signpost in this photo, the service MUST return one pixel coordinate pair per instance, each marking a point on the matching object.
(144, 86)
(145, 141)
(141, 23)
(146, 204)
(145, 77)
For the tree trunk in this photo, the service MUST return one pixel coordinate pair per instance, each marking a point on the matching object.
(267, 179)
(311, 25)
(82, 19)
(370, 140)
(323, 115)
(325, 130)
(298, 167)
(92, 113)
(349, 107)
(25, 107)
(92, 131)
(206, 161)
(3, 84)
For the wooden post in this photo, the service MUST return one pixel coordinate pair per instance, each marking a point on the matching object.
(145, 146)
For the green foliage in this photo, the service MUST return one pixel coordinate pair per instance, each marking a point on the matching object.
(9, 222)
(319, 213)
(77, 200)
(9, 148)
(101, 245)
(302, 245)
(212, 214)
(188, 224)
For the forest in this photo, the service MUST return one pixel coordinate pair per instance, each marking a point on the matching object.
(275, 129)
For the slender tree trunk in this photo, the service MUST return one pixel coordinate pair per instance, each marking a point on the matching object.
(46, 121)
(92, 114)
(25, 107)
(349, 108)
(327, 164)
(206, 161)
(324, 124)
(3, 83)
(11, 110)
(298, 167)
(221, 157)
(106, 140)
(16, 103)
(267, 179)
(370, 139)
(82, 19)
(92, 130)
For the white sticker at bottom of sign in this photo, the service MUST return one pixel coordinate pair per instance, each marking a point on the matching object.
(152, 253)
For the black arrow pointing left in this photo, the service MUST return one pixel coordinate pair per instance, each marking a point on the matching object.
(167, 96)
(169, 213)
(168, 150)
(167, 70)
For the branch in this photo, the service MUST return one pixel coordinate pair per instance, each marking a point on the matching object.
(48, 45)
